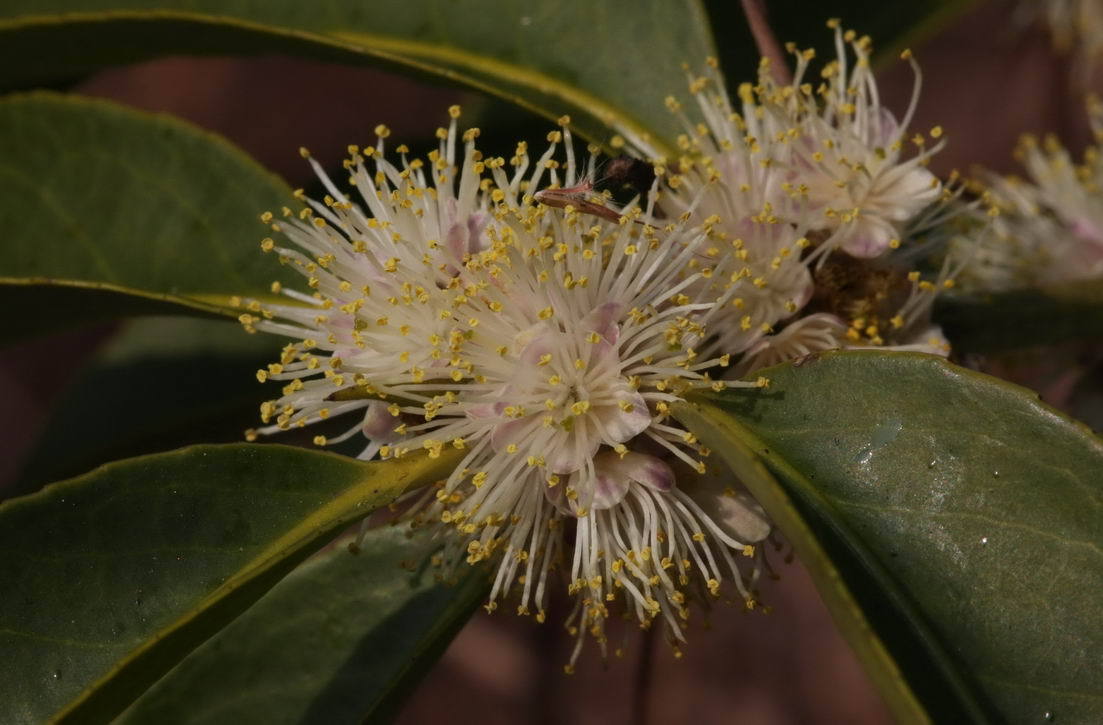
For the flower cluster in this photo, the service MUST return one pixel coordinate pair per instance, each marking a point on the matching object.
(811, 186)
(503, 309)
(1046, 229)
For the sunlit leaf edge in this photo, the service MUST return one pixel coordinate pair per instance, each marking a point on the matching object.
(480, 73)
(380, 699)
(960, 695)
(738, 451)
(109, 299)
(108, 696)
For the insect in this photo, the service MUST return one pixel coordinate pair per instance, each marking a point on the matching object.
(580, 197)
(620, 172)
(625, 171)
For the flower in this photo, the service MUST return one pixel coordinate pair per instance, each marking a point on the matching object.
(799, 183)
(546, 345)
(827, 158)
(1047, 229)
(377, 281)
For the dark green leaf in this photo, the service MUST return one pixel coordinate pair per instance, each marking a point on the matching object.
(1022, 318)
(342, 638)
(161, 383)
(108, 210)
(607, 63)
(961, 515)
(110, 579)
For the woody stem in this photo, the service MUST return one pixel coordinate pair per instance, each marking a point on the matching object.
(764, 39)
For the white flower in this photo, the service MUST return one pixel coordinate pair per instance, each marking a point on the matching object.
(1069, 190)
(1047, 229)
(826, 158)
(794, 182)
(419, 224)
(455, 311)
(849, 151)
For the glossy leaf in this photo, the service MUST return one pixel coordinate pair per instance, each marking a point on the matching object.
(607, 64)
(1022, 318)
(961, 516)
(111, 578)
(109, 210)
(341, 639)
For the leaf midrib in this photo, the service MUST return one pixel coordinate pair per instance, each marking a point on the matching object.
(393, 50)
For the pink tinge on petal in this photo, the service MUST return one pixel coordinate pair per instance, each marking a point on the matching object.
(748, 228)
(636, 467)
(556, 496)
(456, 241)
(464, 236)
(1087, 230)
(796, 284)
(609, 490)
(456, 237)
(537, 347)
(341, 327)
(347, 354)
(508, 432)
(602, 354)
(483, 410)
(883, 128)
(476, 224)
(340, 322)
(379, 424)
(729, 505)
(585, 493)
(869, 238)
(619, 424)
(611, 483)
(898, 196)
(603, 321)
(740, 516)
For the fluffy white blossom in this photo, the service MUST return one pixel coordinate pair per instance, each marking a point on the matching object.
(452, 310)
(505, 310)
(796, 177)
(1047, 228)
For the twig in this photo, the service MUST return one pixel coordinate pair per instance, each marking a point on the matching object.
(768, 47)
(642, 687)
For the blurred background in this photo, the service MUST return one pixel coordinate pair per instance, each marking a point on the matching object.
(989, 74)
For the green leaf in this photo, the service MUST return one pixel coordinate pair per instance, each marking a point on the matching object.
(952, 522)
(111, 578)
(607, 64)
(107, 210)
(341, 639)
(179, 380)
(1022, 318)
